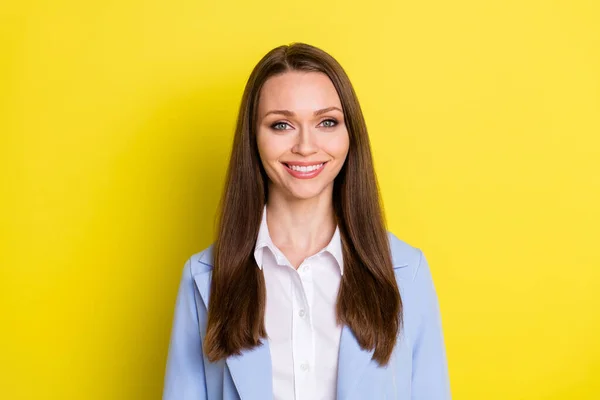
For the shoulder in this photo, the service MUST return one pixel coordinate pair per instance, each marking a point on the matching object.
(413, 275)
(405, 258)
(201, 262)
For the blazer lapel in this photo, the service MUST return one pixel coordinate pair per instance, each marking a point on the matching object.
(352, 362)
(251, 371)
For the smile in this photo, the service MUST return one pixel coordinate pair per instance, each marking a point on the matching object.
(303, 170)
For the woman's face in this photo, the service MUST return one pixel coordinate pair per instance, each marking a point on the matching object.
(301, 134)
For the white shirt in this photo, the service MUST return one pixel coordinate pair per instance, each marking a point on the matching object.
(300, 318)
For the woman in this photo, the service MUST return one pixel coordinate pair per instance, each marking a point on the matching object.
(310, 296)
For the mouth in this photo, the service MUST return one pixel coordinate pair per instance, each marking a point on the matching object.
(304, 170)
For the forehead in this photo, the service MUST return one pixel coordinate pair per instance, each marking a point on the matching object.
(298, 90)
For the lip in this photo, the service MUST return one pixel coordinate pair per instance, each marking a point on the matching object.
(304, 175)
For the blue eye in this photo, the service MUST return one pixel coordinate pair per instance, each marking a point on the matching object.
(280, 126)
(329, 123)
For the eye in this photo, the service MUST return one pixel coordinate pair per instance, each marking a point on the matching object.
(280, 126)
(329, 123)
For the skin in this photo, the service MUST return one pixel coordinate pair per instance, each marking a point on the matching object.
(311, 129)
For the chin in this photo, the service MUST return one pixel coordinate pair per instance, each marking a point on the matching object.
(306, 193)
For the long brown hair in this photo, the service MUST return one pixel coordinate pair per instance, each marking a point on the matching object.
(368, 300)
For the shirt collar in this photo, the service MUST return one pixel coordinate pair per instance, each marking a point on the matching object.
(264, 240)
(334, 247)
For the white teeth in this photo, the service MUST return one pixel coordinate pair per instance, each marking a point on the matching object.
(309, 168)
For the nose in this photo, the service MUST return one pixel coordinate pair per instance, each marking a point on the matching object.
(305, 143)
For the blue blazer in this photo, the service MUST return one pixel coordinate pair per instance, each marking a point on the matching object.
(417, 369)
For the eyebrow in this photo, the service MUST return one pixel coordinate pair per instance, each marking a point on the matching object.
(289, 113)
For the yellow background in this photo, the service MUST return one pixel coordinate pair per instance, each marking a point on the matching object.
(116, 119)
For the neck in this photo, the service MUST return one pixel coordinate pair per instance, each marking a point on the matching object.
(303, 225)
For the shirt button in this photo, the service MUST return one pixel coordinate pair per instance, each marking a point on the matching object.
(304, 367)
(301, 313)
(307, 268)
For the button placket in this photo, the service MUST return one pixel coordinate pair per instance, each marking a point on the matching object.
(303, 341)
(307, 284)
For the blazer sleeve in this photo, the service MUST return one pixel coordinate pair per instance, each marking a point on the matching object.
(430, 379)
(184, 376)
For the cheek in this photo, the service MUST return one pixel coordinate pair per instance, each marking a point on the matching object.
(270, 148)
(338, 146)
